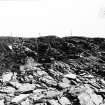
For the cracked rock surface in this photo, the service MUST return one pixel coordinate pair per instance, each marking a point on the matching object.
(52, 71)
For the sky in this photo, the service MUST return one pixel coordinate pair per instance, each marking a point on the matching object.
(33, 18)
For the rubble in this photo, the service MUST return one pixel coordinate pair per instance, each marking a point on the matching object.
(44, 78)
(48, 90)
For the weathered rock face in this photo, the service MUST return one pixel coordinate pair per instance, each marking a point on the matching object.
(55, 71)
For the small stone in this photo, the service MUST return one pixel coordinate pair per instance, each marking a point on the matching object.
(70, 75)
(85, 99)
(26, 87)
(64, 101)
(2, 102)
(49, 80)
(26, 102)
(6, 77)
(52, 93)
(8, 90)
(103, 81)
(53, 102)
(15, 84)
(65, 80)
(10, 47)
(20, 98)
(38, 94)
(64, 85)
(88, 97)
(40, 72)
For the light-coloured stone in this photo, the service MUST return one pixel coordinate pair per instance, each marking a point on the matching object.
(41, 73)
(26, 87)
(49, 80)
(85, 99)
(8, 90)
(2, 95)
(38, 94)
(26, 102)
(10, 47)
(20, 98)
(64, 101)
(65, 80)
(53, 93)
(103, 81)
(97, 99)
(88, 97)
(23, 87)
(53, 102)
(89, 76)
(2, 102)
(15, 83)
(64, 85)
(70, 75)
(6, 77)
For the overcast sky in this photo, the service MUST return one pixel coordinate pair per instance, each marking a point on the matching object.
(52, 17)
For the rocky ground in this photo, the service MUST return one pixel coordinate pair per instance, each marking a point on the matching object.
(52, 71)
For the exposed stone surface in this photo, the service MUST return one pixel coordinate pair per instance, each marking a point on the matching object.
(45, 89)
(55, 71)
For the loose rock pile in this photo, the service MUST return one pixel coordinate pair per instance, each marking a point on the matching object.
(56, 85)
(52, 71)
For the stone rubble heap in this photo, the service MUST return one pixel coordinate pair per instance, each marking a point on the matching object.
(57, 85)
